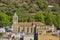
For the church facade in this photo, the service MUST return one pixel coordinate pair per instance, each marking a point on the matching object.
(29, 27)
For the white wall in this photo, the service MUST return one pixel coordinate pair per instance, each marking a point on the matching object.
(28, 37)
(2, 30)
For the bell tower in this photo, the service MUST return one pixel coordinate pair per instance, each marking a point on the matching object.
(15, 23)
(15, 19)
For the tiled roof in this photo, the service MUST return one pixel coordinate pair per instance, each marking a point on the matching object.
(28, 24)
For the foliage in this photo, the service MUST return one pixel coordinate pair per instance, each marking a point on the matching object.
(1, 35)
(49, 18)
(42, 4)
(57, 20)
(4, 19)
(39, 17)
(55, 8)
(29, 11)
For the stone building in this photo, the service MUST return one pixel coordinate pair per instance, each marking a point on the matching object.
(47, 36)
(28, 37)
(29, 27)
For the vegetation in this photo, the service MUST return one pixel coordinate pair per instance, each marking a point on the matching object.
(1, 35)
(29, 11)
(4, 19)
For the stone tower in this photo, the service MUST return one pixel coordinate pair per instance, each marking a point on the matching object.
(15, 23)
(15, 19)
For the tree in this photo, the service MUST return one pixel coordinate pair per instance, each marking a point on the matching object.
(42, 4)
(39, 17)
(4, 19)
(23, 15)
(57, 20)
(49, 18)
(1, 35)
(55, 8)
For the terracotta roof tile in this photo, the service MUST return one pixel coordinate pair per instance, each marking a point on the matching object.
(38, 23)
(25, 24)
(29, 23)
